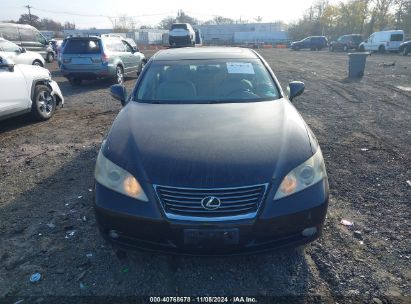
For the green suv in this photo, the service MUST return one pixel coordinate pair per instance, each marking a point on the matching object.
(100, 57)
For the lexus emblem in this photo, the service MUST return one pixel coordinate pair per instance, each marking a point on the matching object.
(210, 203)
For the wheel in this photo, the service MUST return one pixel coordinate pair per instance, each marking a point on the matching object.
(345, 48)
(405, 51)
(381, 49)
(119, 77)
(75, 81)
(140, 69)
(331, 48)
(362, 49)
(50, 57)
(38, 63)
(44, 104)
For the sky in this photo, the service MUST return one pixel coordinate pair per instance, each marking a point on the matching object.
(101, 13)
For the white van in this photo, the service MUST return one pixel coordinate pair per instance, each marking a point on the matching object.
(383, 41)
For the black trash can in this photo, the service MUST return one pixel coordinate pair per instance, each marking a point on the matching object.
(356, 64)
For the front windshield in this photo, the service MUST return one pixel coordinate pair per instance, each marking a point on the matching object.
(206, 81)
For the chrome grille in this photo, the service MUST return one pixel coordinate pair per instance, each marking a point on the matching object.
(234, 201)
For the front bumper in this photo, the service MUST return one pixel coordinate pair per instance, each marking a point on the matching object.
(86, 73)
(56, 92)
(133, 224)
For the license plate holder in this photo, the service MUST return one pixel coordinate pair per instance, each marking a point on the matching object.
(229, 236)
(81, 60)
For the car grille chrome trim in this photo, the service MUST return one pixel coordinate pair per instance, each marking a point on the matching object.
(236, 202)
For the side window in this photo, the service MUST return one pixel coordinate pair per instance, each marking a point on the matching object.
(396, 37)
(40, 38)
(371, 38)
(27, 34)
(7, 46)
(10, 33)
(115, 45)
(128, 48)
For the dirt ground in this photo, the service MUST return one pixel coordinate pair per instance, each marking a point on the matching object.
(47, 223)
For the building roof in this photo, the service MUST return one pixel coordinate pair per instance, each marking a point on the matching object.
(204, 53)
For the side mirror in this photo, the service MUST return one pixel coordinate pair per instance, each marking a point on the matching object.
(22, 50)
(119, 92)
(295, 88)
(366, 41)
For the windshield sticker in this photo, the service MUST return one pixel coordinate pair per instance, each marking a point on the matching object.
(240, 68)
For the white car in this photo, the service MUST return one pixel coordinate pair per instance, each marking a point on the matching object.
(18, 54)
(182, 34)
(27, 88)
(383, 41)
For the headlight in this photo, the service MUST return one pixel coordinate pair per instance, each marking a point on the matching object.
(305, 175)
(117, 179)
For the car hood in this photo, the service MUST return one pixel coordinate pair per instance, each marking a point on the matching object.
(33, 72)
(208, 145)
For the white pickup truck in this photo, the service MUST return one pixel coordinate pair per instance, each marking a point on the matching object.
(182, 34)
(27, 88)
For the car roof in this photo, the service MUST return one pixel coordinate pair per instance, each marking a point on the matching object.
(83, 37)
(205, 53)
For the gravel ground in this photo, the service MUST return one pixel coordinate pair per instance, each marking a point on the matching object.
(47, 223)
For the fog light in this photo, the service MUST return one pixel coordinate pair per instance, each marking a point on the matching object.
(113, 234)
(309, 231)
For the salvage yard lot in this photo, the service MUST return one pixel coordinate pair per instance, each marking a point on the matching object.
(47, 223)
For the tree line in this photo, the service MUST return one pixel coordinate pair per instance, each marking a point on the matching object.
(43, 24)
(352, 17)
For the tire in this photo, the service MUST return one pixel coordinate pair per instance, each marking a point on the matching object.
(44, 104)
(119, 76)
(331, 49)
(49, 57)
(405, 51)
(381, 49)
(38, 63)
(362, 49)
(75, 81)
(345, 48)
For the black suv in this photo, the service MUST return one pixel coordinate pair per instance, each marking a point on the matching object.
(346, 42)
(313, 43)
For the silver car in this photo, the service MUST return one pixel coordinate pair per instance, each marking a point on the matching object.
(19, 55)
(100, 57)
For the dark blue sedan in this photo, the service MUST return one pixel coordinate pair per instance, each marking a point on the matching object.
(209, 156)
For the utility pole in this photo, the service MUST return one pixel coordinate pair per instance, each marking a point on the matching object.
(29, 7)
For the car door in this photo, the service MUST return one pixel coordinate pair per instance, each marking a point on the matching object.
(14, 95)
(131, 58)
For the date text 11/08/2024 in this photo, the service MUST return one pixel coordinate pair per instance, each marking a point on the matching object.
(181, 299)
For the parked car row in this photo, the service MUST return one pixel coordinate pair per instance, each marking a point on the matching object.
(384, 41)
